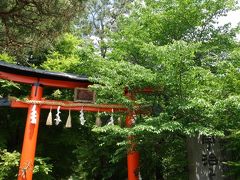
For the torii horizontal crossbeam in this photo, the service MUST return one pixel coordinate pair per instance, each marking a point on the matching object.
(66, 105)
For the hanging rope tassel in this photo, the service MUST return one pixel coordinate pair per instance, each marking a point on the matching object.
(57, 119)
(139, 176)
(98, 120)
(49, 118)
(111, 120)
(81, 117)
(69, 120)
(119, 120)
(33, 115)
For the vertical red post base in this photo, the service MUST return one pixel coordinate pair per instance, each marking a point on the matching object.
(30, 138)
(133, 165)
(133, 156)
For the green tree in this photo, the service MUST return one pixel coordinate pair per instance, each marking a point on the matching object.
(160, 45)
(9, 162)
(184, 50)
(99, 18)
(34, 24)
(173, 47)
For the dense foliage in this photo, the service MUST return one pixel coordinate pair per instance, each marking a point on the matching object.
(174, 47)
(32, 25)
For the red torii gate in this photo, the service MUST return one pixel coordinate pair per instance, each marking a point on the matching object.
(40, 78)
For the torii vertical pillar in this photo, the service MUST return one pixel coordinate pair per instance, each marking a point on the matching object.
(133, 155)
(30, 137)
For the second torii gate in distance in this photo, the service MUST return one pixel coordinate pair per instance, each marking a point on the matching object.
(40, 79)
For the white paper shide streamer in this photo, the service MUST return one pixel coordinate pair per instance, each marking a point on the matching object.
(57, 119)
(134, 119)
(33, 115)
(111, 121)
(81, 117)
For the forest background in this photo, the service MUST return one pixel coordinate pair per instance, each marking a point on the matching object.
(173, 46)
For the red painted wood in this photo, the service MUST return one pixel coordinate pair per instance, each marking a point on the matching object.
(129, 119)
(30, 138)
(43, 81)
(133, 165)
(132, 156)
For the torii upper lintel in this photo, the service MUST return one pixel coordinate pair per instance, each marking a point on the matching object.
(28, 75)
